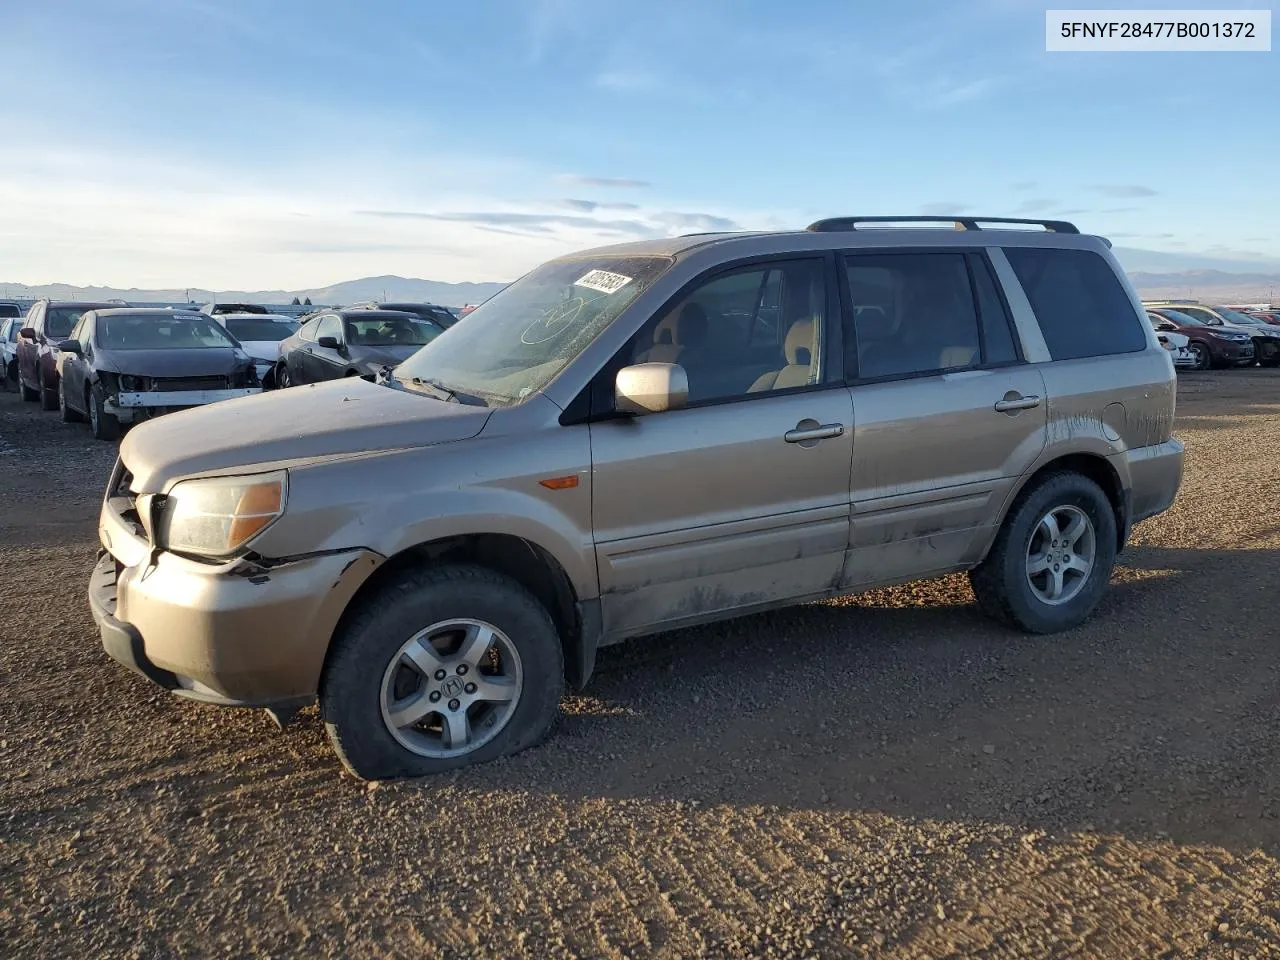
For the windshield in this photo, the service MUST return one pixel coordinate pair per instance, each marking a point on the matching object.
(1182, 319)
(518, 340)
(398, 331)
(259, 328)
(1234, 316)
(60, 321)
(440, 315)
(161, 333)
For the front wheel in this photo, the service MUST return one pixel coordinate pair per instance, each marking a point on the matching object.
(104, 425)
(48, 397)
(283, 379)
(1203, 359)
(28, 394)
(444, 667)
(1052, 559)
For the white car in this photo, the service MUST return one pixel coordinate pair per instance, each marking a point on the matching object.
(9, 351)
(259, 335)
(1175, 343)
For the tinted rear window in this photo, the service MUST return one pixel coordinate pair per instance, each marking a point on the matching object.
(8, 310)
(1082, 308)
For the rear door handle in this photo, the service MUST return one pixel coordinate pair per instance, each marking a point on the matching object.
(804, 433)
(1010, 404)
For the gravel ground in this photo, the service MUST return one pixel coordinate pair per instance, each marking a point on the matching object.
(884, 776)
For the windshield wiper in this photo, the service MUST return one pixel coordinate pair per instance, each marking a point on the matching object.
(441, 392)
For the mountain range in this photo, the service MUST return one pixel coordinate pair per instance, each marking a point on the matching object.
(351, 291)
(1155, 274)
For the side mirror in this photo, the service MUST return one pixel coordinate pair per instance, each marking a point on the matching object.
(69, 346)
(27, 333)
(650, 388)
(329, 343)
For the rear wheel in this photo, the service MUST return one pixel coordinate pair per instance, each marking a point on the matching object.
(1052, 559)
(444, 667)
(68, 415)
(104, 425)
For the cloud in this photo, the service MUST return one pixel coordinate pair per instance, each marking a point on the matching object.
(581, 180)
(1124, 191)
(1076, 211)
(949, 95)
(590, 206)
(695, 221)
(1036, 205)
(1119, 210)
(1025, 185)
(942, 208)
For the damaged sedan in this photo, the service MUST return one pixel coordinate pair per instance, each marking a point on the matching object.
(124, 365)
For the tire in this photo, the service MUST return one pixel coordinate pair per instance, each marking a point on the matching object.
(1005, 589)
(48, 398)
(27, 393)
(283, 380)
(64, 410)
(104, 425)
(365, 666)
(1204, 359)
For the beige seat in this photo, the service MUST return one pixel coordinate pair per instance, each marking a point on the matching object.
(669, 338)
(953, 357)
(799, 349)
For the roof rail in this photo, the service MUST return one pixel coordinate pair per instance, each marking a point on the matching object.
(840, 224)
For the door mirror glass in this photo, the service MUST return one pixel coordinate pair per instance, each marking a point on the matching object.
(650, 388)
(27, 333)
(70, 346)
(330, 343)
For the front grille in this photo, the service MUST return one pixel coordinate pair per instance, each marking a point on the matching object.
(187, 383)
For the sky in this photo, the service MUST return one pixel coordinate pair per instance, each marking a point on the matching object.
(246, 144)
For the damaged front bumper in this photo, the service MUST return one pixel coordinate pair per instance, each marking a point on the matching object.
(243, 633)
(127, 405)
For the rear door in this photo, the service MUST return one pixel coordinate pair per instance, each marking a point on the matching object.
(740, 499)
(948, 414)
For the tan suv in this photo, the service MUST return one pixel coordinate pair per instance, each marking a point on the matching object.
(632, 439)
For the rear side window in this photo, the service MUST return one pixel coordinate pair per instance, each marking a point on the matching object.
(1082, 308)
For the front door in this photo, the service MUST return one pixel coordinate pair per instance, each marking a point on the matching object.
(326, 363)
(948, 416)
(741, 499)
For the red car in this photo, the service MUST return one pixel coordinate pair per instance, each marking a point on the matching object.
(48, 323)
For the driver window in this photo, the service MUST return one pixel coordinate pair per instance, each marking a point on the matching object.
(749, 331)
(330, 326)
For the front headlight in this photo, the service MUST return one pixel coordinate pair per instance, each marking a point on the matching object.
(218, 516)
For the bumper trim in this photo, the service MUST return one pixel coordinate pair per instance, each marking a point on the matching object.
(121, 641)
(180, 398)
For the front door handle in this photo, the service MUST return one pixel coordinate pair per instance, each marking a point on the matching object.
(810, 431)
(1013, 402)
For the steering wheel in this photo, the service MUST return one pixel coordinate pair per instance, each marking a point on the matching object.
(554, 322)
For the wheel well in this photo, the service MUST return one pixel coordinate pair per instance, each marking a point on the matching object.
(1100, 472)
(523, 561)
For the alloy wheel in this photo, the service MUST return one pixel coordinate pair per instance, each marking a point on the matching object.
(1061, 554)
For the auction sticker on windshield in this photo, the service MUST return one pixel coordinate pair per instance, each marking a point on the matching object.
(602, 280)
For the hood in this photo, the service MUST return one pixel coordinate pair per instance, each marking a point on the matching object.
(320, 420)
(384, 356)
(197, 362)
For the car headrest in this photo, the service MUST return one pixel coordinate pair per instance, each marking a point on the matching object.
(798, 347)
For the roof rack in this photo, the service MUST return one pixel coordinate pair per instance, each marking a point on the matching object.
(840, 224)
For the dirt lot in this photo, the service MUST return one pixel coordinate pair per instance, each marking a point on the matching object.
(890, 775)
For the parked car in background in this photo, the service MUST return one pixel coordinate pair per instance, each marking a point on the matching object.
(47, 322)
(124, 365)
(1266, 339)
(431, 557)
(213, 309)
(1176, 343)
(9, 352)
(9, 309)
(1211, 345)
(428, 311)
(351, 343)
(260, 335)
